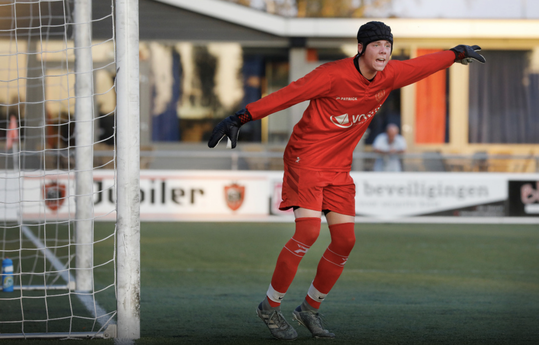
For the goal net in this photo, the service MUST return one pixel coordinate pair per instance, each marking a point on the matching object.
(58, 169)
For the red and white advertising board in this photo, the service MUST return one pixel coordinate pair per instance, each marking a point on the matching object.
(192, 195)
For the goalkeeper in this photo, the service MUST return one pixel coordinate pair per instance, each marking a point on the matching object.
(344, 96)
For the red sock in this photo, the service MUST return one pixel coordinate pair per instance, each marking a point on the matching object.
(332, 263)
(307, 231)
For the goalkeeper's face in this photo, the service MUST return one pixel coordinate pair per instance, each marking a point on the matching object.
(376, 55)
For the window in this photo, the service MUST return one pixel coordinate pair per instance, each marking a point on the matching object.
(504, 98)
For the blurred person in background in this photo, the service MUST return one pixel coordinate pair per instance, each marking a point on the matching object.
(389, 145)
(343, 97)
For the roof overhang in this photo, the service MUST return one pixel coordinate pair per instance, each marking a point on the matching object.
(344, 27)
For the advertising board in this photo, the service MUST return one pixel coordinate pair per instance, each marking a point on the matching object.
(167, 195)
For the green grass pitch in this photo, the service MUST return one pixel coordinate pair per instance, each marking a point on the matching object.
(403, 284)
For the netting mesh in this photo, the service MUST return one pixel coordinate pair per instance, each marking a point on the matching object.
(38, 171)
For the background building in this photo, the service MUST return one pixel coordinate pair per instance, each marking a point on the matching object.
(200, 61)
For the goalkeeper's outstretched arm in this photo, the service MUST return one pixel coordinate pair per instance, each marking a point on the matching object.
(229, 127)
(465, 54)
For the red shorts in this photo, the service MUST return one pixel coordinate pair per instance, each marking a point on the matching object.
(318, 190)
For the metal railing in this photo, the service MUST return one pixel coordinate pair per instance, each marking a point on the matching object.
(219, 159)
(363, 161)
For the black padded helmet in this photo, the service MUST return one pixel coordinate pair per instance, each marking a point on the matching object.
(374, 31)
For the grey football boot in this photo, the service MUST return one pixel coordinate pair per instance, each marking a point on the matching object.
(277, 324)
(313, 322)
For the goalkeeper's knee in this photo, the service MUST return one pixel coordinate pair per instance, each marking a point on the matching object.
(343, 238)
(307, 231)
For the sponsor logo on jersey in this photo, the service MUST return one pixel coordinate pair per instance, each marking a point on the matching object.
(347, 121)
(341, 121)
(380, 95)
(234, 195)
(346, 98)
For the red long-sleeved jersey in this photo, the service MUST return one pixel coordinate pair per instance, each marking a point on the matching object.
(342, 104)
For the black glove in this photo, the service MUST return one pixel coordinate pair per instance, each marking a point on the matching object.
(465, 54)
(229, 127)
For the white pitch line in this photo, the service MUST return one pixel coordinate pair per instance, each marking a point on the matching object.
(87, 300)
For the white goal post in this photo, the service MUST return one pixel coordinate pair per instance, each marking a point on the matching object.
(128, 163)
(64, 96)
